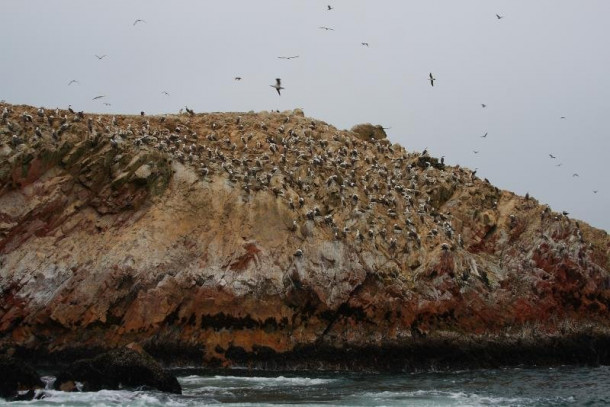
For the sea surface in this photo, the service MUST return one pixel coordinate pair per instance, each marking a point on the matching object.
(560, 386)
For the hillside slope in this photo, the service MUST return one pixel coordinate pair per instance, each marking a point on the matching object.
(278, 240)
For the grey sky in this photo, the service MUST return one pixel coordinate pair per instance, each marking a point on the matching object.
(545, 59)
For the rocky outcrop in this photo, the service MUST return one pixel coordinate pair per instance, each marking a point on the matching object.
(252, 238)
(117, 369)
(16, 377)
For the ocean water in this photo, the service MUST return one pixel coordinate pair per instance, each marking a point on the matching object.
(561, 386)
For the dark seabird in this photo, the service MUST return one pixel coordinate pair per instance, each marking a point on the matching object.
(70, 109)
(483, 105)
(99, 97)
(292, 57)
(484, 135)
(166, 93)
(595, 191)
(278, 85)
(562, 117)
(138, 21)
(366, 44)
(327, 28)
(475, 151)
(107, 104)
(499, 16)
(329, 7)
(575, 175)
(552, 156)
(432, 79)
(72, 81)
(100, 56)
(238, 78)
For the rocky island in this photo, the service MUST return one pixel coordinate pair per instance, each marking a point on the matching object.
(275, 240)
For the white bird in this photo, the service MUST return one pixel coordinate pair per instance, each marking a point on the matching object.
(432, 79)
(138, 21)
(278, 85)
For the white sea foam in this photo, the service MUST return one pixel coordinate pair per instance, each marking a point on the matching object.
(257, 380)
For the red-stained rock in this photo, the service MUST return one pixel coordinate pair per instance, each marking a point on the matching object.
(103, 246)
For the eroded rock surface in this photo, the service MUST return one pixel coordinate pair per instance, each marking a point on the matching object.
(243, 238)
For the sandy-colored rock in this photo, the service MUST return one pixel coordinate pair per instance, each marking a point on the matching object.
(237, 237)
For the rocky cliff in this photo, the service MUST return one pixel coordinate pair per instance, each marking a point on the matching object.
(278, 240)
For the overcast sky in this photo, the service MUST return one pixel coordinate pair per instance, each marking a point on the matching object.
(543, 60)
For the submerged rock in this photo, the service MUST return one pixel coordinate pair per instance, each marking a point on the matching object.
(18, 380)
(121, 368)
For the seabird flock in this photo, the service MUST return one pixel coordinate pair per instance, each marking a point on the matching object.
(278, 87)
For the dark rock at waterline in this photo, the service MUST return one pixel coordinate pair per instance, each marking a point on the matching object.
(116, 369)
(16, 376)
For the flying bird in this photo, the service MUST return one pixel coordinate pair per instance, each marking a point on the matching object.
(100, 57)
(595, 191)
(166, 93)
(366, 44)
(575, 175)
(327, 28)
(138, 21)
(562, 117)
(559, 165)
(292, 57)
(99, 97)
(475, 151)
(238, 78)
(278, 85)
(552, 156)
(483, 105)
(73, 81)
(484, 135)
(499, 16)
(329, 7)
(432, 79)
(107, 104)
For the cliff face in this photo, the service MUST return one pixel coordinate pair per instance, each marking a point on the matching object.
(224, 238)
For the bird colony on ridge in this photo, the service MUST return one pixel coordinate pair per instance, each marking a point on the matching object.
(340, 183)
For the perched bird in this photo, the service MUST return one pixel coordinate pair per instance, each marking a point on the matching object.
(327, 28)
(70, 109)
(100, 56)
(292, 57)
(499, 16)
(552, 156)
(72, 81)
(138, 21)
(432, 79)
(278, 85)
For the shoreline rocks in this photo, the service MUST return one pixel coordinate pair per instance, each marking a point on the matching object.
(17, 377)
(121, 368)
(179, 232)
